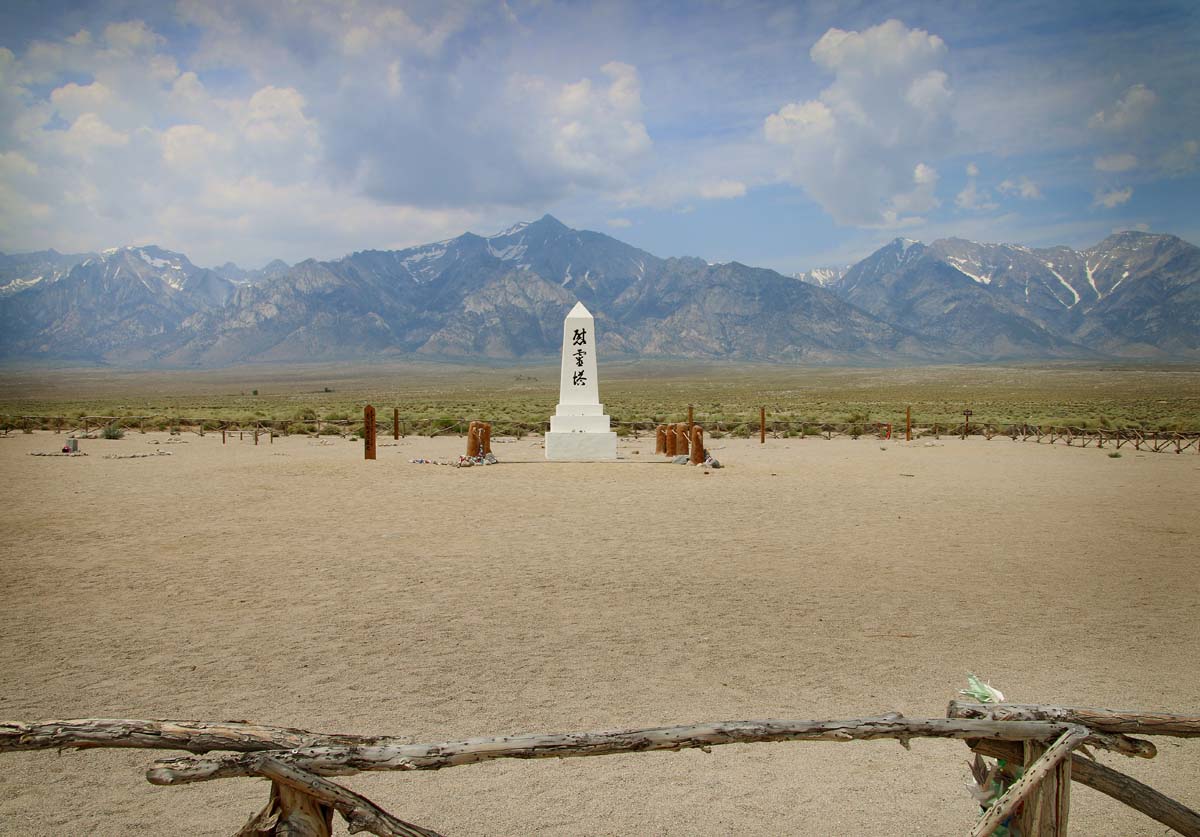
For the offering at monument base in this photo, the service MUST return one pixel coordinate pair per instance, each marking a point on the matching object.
(579, 428)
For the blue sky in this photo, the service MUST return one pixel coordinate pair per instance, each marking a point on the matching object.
(785, 135)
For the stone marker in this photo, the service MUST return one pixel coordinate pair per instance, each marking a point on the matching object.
(579, 429)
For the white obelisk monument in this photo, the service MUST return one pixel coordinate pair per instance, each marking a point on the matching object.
(579, 429)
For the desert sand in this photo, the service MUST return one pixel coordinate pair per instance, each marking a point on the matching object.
(295, 584)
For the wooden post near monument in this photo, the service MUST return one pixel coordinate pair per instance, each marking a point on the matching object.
(368, 432)
(396, 424)
(762, 425)
(908, 424)
(690, 422)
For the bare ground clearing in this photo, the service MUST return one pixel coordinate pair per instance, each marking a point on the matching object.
(295, 584)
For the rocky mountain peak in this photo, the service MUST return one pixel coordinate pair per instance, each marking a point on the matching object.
(504, 296)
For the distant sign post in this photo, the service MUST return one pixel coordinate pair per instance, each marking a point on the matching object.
(967, 422)
(368, 432)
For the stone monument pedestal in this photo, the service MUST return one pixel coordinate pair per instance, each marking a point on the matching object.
(580, 432)
(581, 447)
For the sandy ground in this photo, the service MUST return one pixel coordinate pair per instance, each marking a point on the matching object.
(296, 584)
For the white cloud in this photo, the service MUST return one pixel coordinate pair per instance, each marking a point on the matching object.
(1128, 112)
(719, 189)
(1112, 198)
(905, 208)
(72, 100)
(148, 154)
(89, 133)
(395, 82)
(860, 148)
(280, 215)
(1115, 162)
(356, 40)
(798, 121)
(584, 133)
(971, 196)
(14, 164)
(1181, 159)
(1022, 187)
(619, 223)
(193, 148)
(275, 115)
(131, 37)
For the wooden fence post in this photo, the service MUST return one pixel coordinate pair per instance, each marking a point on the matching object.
(690, 422)
(908, 424)
(368, 432)
(762, 425)
(396, 423)
(1045, 812)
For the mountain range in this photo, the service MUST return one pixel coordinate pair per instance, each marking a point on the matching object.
(1133, 295)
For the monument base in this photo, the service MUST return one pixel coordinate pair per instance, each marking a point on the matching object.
(581, 447)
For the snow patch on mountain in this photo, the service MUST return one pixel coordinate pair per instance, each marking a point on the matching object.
(1090, 271)
(822, 277)
(963, 264)
(18, 285)
(1064, 283)
(513, 230)
(510, 253)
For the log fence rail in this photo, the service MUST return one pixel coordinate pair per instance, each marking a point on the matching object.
(302, 801)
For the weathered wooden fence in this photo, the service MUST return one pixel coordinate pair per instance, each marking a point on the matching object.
(1042, 740)
(1154, 441)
